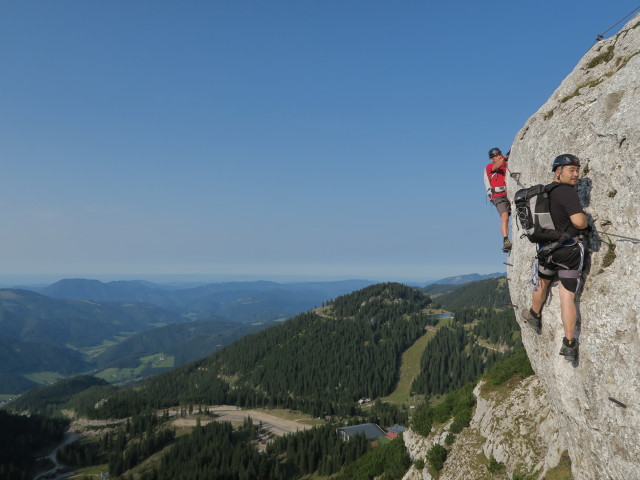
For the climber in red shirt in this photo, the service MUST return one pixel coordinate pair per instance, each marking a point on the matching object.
(495, 173)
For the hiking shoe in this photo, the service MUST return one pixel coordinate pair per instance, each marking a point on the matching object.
(569, 350)
(506, 246)
(532, 319)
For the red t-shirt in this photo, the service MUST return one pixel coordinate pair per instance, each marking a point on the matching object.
(497, 179)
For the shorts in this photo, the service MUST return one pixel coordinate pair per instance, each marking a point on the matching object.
(502, 204)
(561, 262)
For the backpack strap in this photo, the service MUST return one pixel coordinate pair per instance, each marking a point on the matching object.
(551, 186)
(564, 236)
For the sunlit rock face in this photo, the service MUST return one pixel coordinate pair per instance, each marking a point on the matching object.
(595, 115)
(513, 424)
(591, 407)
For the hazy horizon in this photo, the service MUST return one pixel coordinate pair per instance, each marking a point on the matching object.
(8, 281)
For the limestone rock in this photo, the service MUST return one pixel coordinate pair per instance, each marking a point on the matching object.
(520, 430)
(592, 407)
(595, 115)
(515, 426)
(418, 447)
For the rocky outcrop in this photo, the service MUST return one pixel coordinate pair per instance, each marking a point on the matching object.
(590, 407)
(594, 114)
(521, 430)
(512, 424)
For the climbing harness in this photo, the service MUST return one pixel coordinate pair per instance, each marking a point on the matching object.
(564, 271)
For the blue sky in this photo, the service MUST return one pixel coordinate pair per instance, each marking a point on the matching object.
(315, 139)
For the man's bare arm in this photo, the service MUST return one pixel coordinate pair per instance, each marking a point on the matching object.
(497, 164)
(579, 221)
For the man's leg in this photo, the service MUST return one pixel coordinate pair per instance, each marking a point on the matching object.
(568, 311)
(504, 224)
(533, 316)
(573, 259)
(540, 295)
(504, 228)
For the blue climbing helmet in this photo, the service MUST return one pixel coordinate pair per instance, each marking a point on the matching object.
(494, 152)
(563, 160)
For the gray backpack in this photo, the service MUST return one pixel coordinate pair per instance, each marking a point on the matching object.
(532, 212)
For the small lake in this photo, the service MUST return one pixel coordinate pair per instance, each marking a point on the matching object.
(441, 315)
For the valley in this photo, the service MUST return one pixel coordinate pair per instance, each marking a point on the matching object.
(124, 332)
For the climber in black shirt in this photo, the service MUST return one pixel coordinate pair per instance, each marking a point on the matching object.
(567, 261)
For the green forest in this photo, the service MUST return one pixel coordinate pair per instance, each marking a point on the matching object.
(320, 362)
(20, 437)
(484, 330)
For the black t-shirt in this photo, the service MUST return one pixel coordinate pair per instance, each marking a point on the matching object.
(564, 202)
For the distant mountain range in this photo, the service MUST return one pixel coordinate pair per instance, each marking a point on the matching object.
(450, 284)
(31, 317)
(39, 334)
(18, 357)
(82, 326)
(472, 277)
(184, 342)
(245, 302)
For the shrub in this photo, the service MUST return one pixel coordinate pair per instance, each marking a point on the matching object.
(604, 57)
(437, 455)
(448, 441)
(389, 461)
(516, 364)
(458, 404)
(455, 403)
(422, 420)
(461, 420)
(610, 256)
(494, 465)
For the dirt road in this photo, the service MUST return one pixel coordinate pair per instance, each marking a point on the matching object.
(235, 415)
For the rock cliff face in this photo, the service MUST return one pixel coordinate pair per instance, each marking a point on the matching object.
(595, 115)
(514, 424)
(591, 407)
